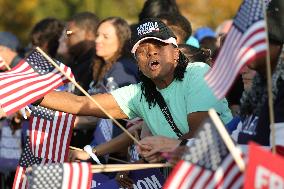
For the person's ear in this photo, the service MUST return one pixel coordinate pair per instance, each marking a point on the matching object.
(176, 54)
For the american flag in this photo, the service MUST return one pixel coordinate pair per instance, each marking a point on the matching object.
(245, 41)
(207, 164)
(50, 133)
(27, 160)
(30, 80)
(62, 176)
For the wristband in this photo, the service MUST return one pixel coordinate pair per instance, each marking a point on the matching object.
(183, 142)
(94, 150)
(90, 151)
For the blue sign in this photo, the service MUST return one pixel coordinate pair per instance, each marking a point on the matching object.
(143, 179)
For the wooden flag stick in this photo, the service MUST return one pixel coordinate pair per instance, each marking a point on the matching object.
(85, 93)
(269, 85)
(112, 158)
(128, 167)
(6, 65)
(227, 139)
(74, 148)
(118, 160)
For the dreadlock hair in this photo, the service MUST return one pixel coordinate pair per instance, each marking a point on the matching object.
(149, 88)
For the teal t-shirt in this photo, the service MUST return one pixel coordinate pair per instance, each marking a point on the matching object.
(182, 97)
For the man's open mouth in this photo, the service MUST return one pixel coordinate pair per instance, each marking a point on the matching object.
(154, 64)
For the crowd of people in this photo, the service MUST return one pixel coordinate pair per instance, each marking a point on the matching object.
(151, 71)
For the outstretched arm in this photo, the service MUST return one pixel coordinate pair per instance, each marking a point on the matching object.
(82, 105)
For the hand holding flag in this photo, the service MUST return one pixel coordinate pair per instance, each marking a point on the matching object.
(206, 164)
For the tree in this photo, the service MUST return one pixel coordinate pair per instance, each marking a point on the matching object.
(208, 12)
(19, 16)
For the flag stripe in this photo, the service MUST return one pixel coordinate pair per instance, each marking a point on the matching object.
(59, 135)
(27, 95)
(203, 180)
(198, 176)
(64, 175)
(237, 64)
(19, 178)
(80, 180)
(47, 145)
(45, 139)
(75, 176)
(29, 82)
(207, 163)
(86, 173)
(189, 171)
(223, 56)
(240, 48)
(63, 137)
(191, 178)
(27, 159)
(67, 138)
(239, 182)
(23, 85)
(17, 69)
(227, 169)
(177, 174)
(50, 139)
(36, 137)
(56, 123)
(233, 53)
(66, 179)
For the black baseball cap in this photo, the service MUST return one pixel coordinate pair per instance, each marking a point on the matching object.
(275, 20)
(152, 28)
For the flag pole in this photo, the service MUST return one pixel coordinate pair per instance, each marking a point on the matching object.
(126, 167)
(227, 139)
(112, 158)
(269, 84)
(87, 94)
(6, 65)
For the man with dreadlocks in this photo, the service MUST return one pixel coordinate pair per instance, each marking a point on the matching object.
(172, 97)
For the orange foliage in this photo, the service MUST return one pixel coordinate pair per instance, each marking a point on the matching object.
(208, 12)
